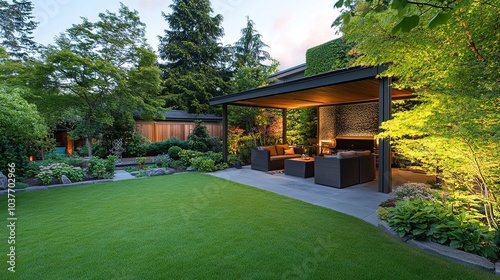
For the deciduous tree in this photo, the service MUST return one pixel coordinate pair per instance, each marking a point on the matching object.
(97, 72)
(453, 68)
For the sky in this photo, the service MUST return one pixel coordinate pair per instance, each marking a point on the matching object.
(289, 28)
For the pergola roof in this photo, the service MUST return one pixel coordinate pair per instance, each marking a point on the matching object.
(346, 86)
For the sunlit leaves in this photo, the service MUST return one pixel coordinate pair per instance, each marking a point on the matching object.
(406, 24)
(439, 18)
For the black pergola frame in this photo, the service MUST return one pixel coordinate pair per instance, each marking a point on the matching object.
(309, 85)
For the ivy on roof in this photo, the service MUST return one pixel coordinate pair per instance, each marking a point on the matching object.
(332, 55)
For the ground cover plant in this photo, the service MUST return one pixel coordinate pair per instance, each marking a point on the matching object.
(195, 226)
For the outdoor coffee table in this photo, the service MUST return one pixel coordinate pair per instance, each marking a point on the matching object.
(300, 167)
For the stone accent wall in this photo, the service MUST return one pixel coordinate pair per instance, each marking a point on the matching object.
(348, 120)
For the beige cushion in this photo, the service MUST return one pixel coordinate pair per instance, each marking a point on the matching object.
(282, 157)
(289, 151)
(330, 156)
(349, 154)
(271, 149)
(363, 153)
(280, 149)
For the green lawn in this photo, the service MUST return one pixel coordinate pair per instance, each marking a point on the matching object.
(194, 226)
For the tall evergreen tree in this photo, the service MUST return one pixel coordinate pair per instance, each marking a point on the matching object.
(249, 50)
(16, 27)
(252, 66)
(193, 71)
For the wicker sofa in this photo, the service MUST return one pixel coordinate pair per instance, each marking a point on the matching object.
(345, 170)
(267, 158)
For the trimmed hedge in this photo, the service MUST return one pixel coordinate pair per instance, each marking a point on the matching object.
(158, 148)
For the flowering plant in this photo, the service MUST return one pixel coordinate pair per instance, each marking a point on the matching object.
(413, 191)
(55, 170)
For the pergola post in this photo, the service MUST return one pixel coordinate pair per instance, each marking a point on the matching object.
(224, 132)
(284, 113)
(384, 148)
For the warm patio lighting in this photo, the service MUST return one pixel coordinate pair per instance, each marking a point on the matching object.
(327, 144)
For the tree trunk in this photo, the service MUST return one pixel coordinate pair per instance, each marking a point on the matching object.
(89, 146)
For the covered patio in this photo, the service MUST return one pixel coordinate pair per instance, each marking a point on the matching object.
(347, 86)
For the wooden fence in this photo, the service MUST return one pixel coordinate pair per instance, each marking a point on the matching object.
(161, 130)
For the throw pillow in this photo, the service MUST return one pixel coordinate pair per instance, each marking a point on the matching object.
(289, 151)
(280, 149)
(271, 149)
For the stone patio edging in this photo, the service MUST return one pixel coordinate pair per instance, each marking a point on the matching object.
(448, 252)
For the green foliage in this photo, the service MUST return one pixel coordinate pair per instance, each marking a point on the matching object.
(427, 220)
(98, 73)
(102, 168)
(55, 170)
(20, 126)
(203, 164)
(134, 142)
(414, 191)
(141, 161)
(453, 67)
(193, 72)
(332, 55)
(186, 156)
(17, 24)
(163, 160)
(199, 138)
(208, 162)
(13, 153)
(409, 13)
(131, 169)
(157, 148)
(302, 125)
(173, 152)
(250, 63)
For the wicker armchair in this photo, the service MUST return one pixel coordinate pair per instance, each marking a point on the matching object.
(334, 172)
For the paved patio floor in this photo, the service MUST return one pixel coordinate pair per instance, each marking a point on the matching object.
(360, 201)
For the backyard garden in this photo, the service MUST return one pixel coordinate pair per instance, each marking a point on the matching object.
(95, 81)
(195, 226)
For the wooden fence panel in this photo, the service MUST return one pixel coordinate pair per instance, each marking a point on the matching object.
(161, 130)
(146, 129)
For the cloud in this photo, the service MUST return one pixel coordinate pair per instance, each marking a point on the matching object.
(290, 47)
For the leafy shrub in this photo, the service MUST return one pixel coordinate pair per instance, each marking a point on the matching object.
(215, 144)
(434, 221)
(199, 138)
(141, 161)
(131, 169)
(163, 160)
(102, 168)
(413, 191)
(216, 157)
(55, 170)
(136, 145)
(157, 148)
(185, 157)
(75, 161)
(203, 164)
(173, 152)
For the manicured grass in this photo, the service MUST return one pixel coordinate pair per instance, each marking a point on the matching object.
(193, 226)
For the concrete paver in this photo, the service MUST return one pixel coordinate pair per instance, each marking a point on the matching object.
(360, 201)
